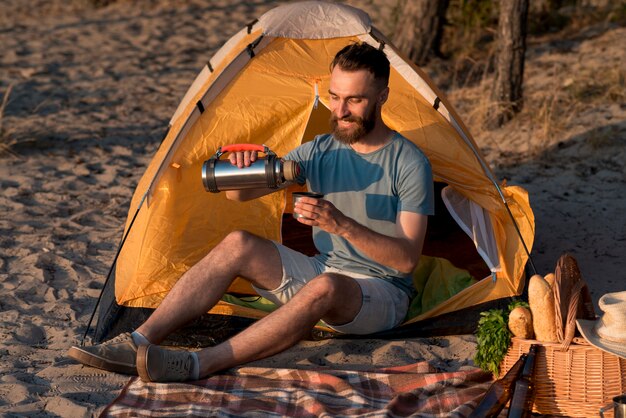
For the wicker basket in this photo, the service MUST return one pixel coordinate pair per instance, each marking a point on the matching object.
(576, 382)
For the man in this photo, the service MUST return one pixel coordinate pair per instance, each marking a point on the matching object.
(369, 230)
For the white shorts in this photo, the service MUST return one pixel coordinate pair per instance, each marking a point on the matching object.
(384, 305)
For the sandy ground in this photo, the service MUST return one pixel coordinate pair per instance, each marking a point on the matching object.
(91, 92)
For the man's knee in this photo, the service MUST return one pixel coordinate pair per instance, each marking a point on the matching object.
(239, 242)
(339, 297)
(326, 286)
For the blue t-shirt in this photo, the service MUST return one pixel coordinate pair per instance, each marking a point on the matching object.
(369, 188)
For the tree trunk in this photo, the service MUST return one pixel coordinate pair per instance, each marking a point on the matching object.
(420, 27)
(507, 91)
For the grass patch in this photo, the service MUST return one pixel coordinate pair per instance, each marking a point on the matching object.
(590, 87)
(5, 139)
(605, 138)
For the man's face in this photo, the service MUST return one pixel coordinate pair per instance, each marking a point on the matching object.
(354, 104)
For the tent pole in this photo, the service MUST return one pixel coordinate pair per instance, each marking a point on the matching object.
(508, 209)
(119, 250)
(494, 182)
(530, 259)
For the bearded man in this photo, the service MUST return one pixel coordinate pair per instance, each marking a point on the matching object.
(369, 230)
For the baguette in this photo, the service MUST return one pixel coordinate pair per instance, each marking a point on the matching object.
(550, 279)
(541, 302)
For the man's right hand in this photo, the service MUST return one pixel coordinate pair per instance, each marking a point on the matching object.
(243, 158)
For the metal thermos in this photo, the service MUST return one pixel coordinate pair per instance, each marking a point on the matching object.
(618, 406)
(266, 172)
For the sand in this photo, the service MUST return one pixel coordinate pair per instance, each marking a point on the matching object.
(90, 94)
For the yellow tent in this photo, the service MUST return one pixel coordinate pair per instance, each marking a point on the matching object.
(268, 85)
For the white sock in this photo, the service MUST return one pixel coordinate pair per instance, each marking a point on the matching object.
(195, 374)
(139, 339)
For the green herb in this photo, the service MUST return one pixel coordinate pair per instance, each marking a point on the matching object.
(517, 303)
(493, 337)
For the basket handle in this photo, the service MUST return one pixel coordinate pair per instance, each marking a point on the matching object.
(571, 299)
(570, 323)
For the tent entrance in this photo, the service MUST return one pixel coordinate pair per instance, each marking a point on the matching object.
(318, 122)
(446, 239)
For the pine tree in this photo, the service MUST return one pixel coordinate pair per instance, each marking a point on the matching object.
(420, 28)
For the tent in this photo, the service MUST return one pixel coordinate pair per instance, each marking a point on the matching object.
(268, 85)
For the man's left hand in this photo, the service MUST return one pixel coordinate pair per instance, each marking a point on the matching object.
(321, 213)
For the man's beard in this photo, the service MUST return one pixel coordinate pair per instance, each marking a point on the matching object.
(362, 128)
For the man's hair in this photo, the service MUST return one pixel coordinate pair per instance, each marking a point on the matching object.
(362, 56)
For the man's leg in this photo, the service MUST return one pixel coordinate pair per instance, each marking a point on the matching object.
(239, 254)
(202, 286)
(332, 297)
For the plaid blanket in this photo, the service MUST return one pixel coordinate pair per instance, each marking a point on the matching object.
(414, 390)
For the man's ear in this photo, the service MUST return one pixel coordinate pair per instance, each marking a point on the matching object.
(383, 96)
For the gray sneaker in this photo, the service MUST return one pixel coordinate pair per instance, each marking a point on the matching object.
(116, 355)
(157, 364)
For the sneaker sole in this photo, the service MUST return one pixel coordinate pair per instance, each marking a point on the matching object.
(142, 363)
(92, 360)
